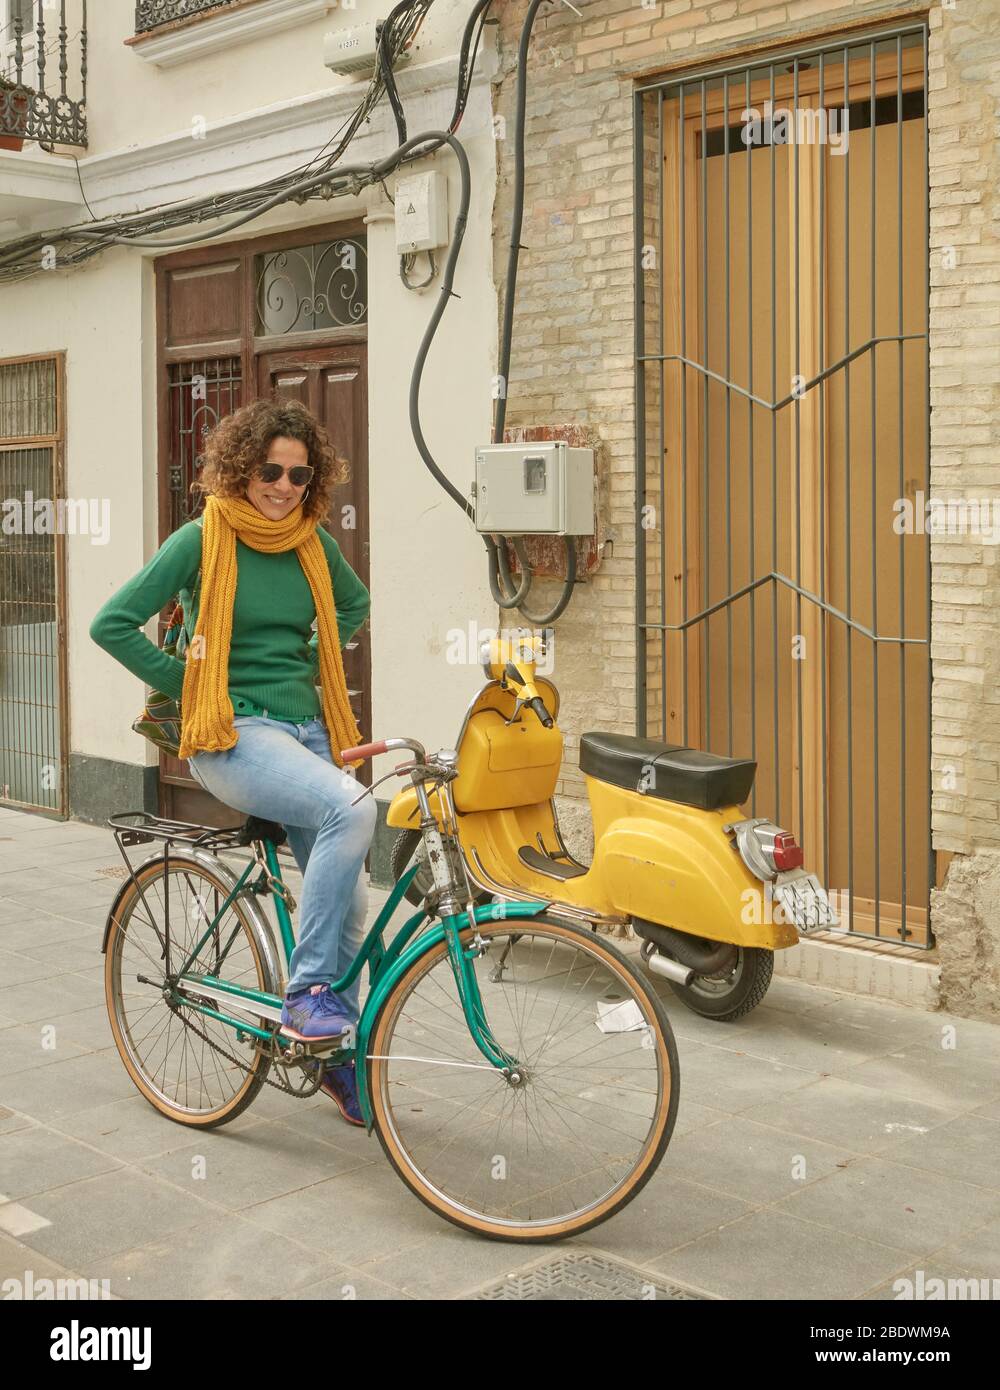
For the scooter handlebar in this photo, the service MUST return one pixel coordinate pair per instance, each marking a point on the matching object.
(538, 705)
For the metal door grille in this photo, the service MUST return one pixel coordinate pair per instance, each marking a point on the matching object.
(33, 752)
(201, 393)
(782, 423)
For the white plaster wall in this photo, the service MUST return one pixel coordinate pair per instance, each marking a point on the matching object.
(94, 316)
(428, 567)
(133, 101)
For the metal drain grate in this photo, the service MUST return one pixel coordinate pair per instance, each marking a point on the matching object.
(584, 1276)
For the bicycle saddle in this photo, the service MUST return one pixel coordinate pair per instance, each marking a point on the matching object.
(255, 828)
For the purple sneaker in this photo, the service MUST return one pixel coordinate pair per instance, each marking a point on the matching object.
(340, 1085)
(313, 1015)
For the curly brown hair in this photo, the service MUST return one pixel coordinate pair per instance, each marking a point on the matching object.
(239, 443)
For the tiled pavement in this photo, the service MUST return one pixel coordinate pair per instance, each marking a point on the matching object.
(825, 1146)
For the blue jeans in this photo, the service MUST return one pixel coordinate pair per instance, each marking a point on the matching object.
(285, 772)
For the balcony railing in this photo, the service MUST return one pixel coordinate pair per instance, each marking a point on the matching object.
(43, 74)
(151, 14)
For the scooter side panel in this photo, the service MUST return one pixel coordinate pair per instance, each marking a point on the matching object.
(672, 864)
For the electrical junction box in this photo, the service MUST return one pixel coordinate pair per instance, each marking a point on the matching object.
(421, 212)
(545, 488)
(353, 52)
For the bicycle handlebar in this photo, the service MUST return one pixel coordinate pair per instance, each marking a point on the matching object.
(363, 750)
(384, 745)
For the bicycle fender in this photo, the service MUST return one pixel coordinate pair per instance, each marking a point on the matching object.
(137, 869)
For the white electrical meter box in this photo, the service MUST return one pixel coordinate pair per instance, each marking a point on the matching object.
(544, 488)
(421, 212)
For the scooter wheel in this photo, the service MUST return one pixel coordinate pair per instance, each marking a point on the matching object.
(726, 998)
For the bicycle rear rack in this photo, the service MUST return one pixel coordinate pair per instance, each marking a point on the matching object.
(141, 828)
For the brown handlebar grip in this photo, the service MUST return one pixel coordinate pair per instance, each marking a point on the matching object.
(363, 750)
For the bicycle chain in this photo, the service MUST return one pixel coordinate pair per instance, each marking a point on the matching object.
(278, 1085)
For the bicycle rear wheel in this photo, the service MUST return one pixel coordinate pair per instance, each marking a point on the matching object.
(572, 1141)
(188, 1065)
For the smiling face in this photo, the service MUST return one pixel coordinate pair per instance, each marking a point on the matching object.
(276, 500)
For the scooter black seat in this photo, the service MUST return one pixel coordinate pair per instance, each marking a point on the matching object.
(667, 771)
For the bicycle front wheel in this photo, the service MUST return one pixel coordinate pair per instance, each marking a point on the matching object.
(581, 1128)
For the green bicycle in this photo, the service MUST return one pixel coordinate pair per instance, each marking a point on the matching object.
(520, 1073)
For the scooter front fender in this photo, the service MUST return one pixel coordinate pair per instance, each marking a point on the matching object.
(404, 810)
(675, 865)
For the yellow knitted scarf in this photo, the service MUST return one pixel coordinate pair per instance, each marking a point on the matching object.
(206, 709)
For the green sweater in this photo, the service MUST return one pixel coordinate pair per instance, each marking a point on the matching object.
(273, 658)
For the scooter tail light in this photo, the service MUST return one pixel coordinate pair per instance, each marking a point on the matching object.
(785, 852)
(766, 849)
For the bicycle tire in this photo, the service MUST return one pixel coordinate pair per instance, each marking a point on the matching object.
(422, 1187)
(256, 1068)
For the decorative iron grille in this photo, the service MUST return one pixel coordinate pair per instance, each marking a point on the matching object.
(31, 45)
(201, 393)
(32, 676)
(782, 419)
(151, 14)
(320, 286)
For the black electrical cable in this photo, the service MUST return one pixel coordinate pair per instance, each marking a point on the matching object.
(444, 295)
(404, 270)
(467, 65)
(544, 619)
(516, 217)
(496, 545)
(496, 556)
(21, 257)
(385, 61)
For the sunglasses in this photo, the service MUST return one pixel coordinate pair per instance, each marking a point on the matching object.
(297, 476)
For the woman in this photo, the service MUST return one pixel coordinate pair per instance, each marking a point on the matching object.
(254, 729)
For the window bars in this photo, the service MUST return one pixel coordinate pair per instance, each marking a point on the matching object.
(33, 742)
(783, 580)
(200, 394)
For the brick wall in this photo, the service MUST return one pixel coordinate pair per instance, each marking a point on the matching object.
(964, 83)
(573, 354)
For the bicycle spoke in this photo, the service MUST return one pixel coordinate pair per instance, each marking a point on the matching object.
(184, 1056)
(564, 1134)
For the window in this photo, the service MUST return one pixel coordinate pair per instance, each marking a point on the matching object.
(32, 577)
(304, 288)
(10, 12)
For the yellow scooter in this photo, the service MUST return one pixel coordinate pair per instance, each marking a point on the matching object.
(713, 894)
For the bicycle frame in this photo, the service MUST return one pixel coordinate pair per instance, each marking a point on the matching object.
(385, 964)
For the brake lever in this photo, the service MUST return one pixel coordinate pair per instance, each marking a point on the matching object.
(518, 705)
(368, 790)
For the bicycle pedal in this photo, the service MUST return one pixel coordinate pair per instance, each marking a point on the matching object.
(326, 1050)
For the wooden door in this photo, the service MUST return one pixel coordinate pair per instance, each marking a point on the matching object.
(796, 414)
(333, 383)
(218, 351)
